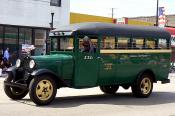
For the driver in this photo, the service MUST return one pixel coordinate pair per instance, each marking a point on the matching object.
(87, 44)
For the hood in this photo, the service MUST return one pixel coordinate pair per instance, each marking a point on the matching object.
(51, 62)
(50, 58)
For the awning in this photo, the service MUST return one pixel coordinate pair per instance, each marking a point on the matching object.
(171, 30)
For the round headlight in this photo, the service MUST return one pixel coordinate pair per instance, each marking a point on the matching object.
(31, 64)
(18, 63)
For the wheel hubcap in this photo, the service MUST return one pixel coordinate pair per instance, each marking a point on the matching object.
(16, 91)
(44, 90)
(146, 85)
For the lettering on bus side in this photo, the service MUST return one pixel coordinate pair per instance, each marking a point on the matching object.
(108, 66)
(88, 57)
(141, 56)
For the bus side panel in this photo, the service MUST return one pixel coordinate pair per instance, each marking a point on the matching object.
(162, 69)
(130, 65)
(126, 67)
(107, 69)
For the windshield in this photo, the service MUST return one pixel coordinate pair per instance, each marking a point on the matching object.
(61, 43)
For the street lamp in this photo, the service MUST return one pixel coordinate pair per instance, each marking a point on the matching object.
(157, 13)
(51, 24)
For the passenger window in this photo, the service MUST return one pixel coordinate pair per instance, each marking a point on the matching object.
(137, 43)
(66, 44)
(172, 41)
(123, 43)
(150, 43)
(162, 44)
(54, 45)
(108, 43)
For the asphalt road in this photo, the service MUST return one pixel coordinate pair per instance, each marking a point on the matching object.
(92, 102)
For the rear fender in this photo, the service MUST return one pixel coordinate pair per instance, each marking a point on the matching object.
(147, 71)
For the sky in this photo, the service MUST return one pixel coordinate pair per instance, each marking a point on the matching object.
(122, 8)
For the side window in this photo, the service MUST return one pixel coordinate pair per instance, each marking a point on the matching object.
(137, 43)
(66, 43)
(54, 44)
(123, 43)
(108, 43)
(150, 43)
(162, 43)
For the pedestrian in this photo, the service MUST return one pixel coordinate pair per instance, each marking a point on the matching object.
(6, 54)
(7, 58)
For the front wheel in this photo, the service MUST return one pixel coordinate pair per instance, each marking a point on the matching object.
(143, 86)
(42, 90)
(14, 92)
(109, 89)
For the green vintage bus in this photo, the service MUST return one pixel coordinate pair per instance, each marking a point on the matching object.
(93, 54)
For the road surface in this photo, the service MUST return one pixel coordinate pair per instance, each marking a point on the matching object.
(92, 102)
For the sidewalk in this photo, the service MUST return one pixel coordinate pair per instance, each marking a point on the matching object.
(3, 75)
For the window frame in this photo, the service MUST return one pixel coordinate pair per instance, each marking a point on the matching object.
(56, 3)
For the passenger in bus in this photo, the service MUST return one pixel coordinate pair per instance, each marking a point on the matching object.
(88, 46)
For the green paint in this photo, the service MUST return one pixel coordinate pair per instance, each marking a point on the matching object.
(94, 69)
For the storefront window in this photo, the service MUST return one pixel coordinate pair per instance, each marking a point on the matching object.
(11, 42)
(40, 42)
(55, 3)
(25, 37)
(1, 37)
(11, 39)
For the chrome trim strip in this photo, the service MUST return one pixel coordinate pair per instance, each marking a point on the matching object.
(136, 51)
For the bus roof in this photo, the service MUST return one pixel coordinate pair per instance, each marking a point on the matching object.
(109, 29)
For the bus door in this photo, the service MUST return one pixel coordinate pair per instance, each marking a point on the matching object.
(87, 64)
(107, 61)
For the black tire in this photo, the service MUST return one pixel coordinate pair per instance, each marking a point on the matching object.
(143, 86)
(111, 89)
(14, 92)
(42, 90)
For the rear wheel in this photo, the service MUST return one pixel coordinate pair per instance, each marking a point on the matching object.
(42, 90)
(143, 86)
(111, 89)
(14, 92)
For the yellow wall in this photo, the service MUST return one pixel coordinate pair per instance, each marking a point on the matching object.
(78, 18)
(135, 22)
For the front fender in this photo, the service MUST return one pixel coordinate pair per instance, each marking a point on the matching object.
(12, 70)
(46, 71)
(42, 71)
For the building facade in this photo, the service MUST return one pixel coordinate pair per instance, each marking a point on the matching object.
(170, 19)
(29, 22)
(78, 18)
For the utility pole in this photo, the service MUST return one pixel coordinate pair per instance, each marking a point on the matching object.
(157, 13)
(112, 13)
